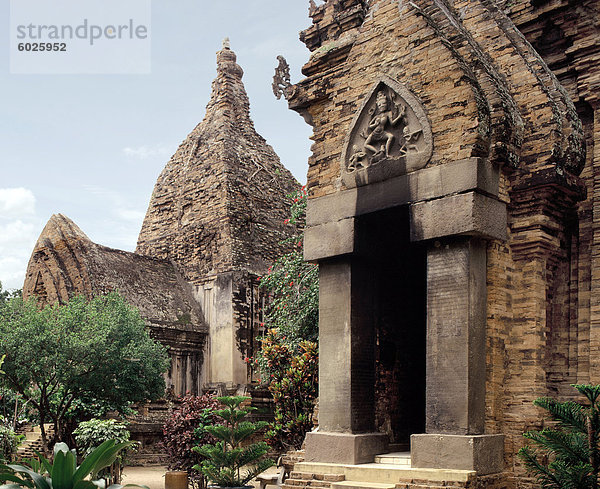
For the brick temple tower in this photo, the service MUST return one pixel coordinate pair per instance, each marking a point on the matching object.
(214, 224)
(217, 213)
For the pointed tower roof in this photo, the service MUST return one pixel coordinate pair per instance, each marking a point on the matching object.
(221, 201)
(65, 262)
(228, 102)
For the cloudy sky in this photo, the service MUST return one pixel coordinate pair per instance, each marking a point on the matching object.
(91, 146)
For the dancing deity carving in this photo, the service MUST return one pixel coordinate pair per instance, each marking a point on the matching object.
(390, 131)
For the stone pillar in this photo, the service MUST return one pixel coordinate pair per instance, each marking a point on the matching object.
(456, 305)
(346, 368)
(456, 319)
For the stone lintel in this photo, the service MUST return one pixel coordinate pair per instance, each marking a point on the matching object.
(472, 174)
(482, 453)
(344, 448)
(329, 239)
(469, 214)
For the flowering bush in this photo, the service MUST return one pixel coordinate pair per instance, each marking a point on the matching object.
(288, 360)
(185, 429)
(293, 286)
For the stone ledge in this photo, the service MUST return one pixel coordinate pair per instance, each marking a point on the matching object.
(468, 214)
(481, 453)
(385, 473)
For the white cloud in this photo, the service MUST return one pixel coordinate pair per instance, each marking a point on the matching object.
(17, 239)
(16, 202)
(15, 233)
(19, 229)
(12, 273)
(147, 152)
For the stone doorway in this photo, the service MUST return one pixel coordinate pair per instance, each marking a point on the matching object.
(397, 287)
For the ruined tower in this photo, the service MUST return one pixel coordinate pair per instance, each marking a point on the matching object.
(218, 213)
(214, 225)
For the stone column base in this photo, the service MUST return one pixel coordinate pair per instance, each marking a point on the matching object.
(482, 453)
(344, 448)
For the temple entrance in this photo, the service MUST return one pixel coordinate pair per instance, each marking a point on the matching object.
(397, 285)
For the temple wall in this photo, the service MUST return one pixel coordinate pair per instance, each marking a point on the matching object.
(233, 308)
(488, 94)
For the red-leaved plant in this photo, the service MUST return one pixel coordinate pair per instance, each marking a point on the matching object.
(185, 429)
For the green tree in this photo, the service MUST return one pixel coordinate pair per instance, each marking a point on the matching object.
(96, 349)
(230, 462)
(567, 455)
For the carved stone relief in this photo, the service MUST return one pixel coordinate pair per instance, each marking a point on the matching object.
(281, 80)
(390, 136)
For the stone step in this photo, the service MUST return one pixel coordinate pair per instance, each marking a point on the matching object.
(385, 473)
(394, 458)
(318, 483)
(362, 485)
(47, 427)
(32, 436)
(295, 483)
(301, 475)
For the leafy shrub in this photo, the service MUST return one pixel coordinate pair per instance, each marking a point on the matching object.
(288, 359)
(185, 429)
(294, 386)
(567, 455)
(89, 435)
(9, 442)
(229, 462)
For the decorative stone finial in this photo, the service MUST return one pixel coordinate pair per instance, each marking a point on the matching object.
(226, 61)
(281, 80)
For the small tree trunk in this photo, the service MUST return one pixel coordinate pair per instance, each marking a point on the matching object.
(14, 423)
(43, 431)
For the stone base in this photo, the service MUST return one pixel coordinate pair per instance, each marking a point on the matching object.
(344, 448)
(482, 453)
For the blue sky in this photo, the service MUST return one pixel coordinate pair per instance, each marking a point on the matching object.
(91, 146)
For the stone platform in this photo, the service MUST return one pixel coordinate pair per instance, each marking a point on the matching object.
(390, 471)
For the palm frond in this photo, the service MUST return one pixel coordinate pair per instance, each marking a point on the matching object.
(592, 392)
